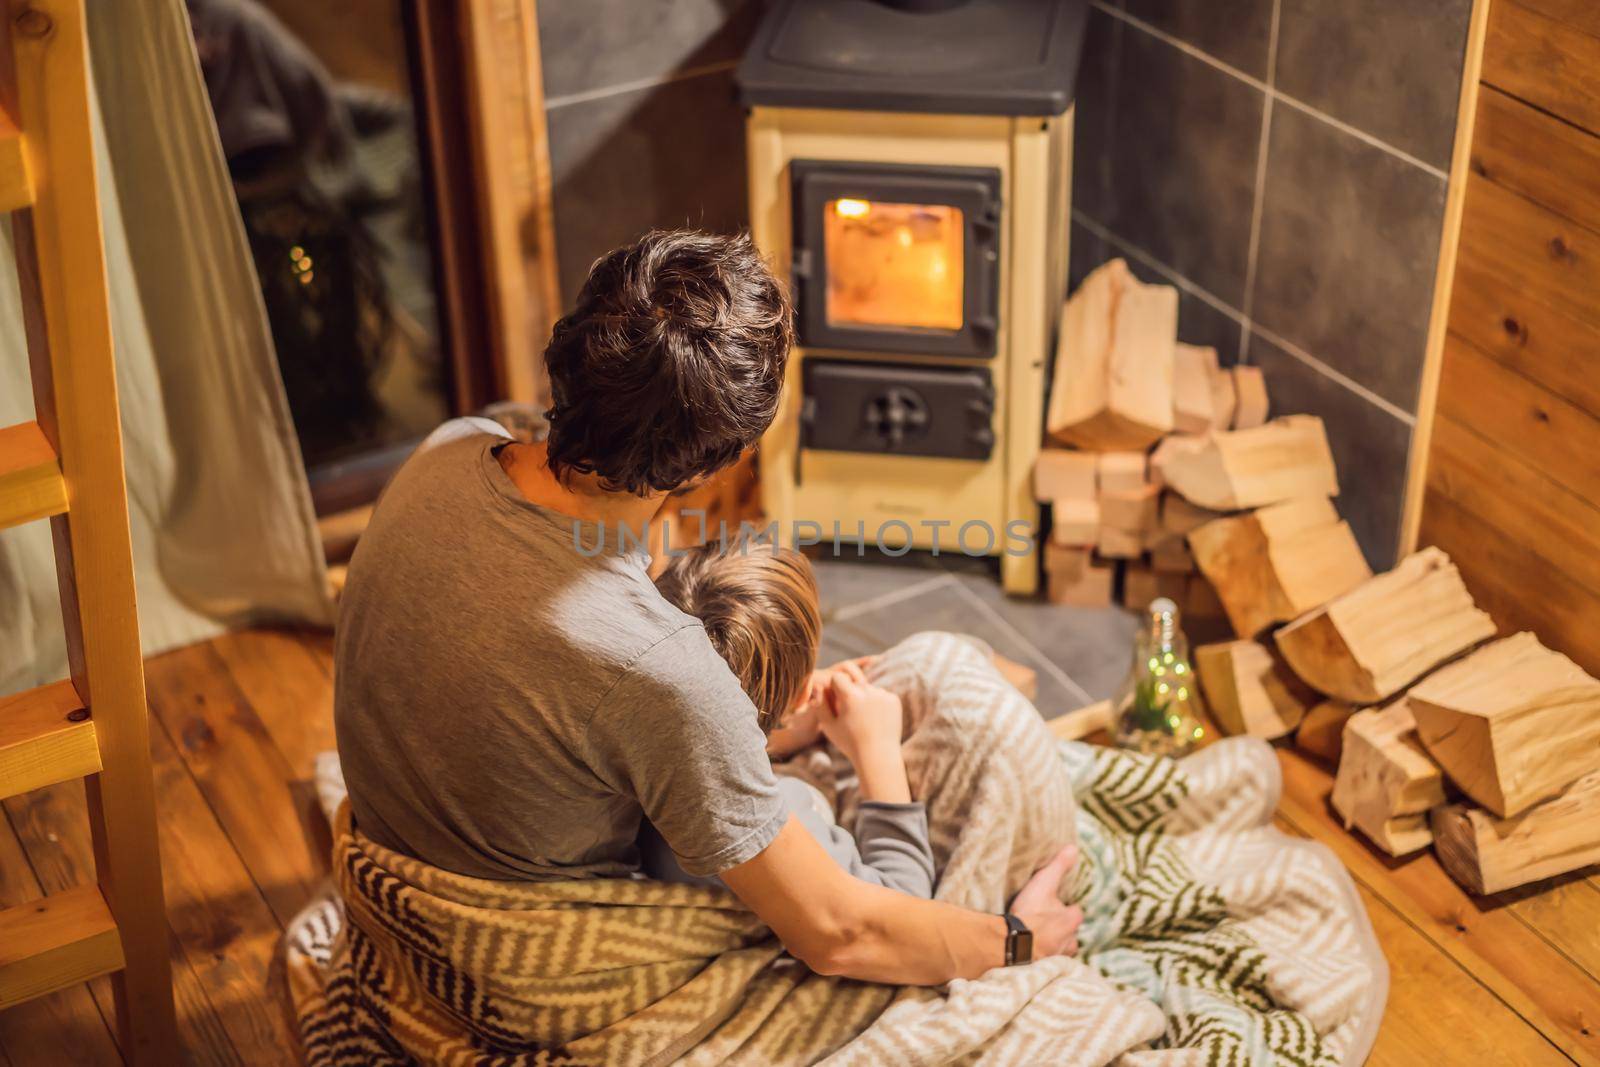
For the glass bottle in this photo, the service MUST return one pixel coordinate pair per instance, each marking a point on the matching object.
(1158, 708)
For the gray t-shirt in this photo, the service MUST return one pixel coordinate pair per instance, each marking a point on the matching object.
(508, 708)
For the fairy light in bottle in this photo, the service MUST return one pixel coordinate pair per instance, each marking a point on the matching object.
(1158, 708)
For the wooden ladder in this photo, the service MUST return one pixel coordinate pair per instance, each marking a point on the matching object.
(67, 466)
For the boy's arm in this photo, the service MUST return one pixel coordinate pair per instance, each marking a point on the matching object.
(890, 847)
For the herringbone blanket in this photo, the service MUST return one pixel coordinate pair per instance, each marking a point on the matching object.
(1209, 937)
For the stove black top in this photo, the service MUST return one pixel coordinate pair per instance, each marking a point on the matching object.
(972, 57)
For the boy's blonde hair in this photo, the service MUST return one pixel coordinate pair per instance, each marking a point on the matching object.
(758, 603)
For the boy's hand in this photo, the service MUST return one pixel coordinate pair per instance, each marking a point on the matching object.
(865, 721)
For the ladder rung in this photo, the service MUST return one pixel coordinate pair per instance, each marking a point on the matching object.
(31, 486)
(56, 942)
(16, 191)
(45, 738)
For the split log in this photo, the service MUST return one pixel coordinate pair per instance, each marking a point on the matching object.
(1373, 641)
(1512, 724)
(1131, 510)
(1249, 690)
(1066, 562)
(1193, 369)
(1280, 562)
(1122, 472)
(1075, 522)
(1113, 543)
(1386, 783)
(1170, 554)
(1089, 589)
(1179, 516)
(1059, 474)
(1174, 444)
(1113, 376)
(1141, 586)
(1224, 399)
(1024, 679)
(1250, 395)
(1321, 732)
(1489, 855)
(1285, 459)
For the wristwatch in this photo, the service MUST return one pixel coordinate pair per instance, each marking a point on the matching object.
(1019, 941)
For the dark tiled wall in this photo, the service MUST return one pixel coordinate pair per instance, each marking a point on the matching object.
(644, 130)
(1283, 163)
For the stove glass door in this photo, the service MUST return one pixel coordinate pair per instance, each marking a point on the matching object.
(897, 258)
(894, 265)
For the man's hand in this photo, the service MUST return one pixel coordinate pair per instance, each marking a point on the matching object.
(1038, 905)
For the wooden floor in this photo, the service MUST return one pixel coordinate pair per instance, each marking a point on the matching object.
(237, 723)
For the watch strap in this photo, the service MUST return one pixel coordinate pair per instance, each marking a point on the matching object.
(1019, 941)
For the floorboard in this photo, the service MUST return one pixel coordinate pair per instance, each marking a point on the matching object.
(237, 724)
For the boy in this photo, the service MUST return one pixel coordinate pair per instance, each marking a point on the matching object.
(759, 607)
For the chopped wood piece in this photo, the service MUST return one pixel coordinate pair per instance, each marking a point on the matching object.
(1321, 732)
(1179, 516)
(1170, 554)
(1119, 544)
(1174, 444)
(1131, 510)
(1193, 370)
(1122, 472)
(1075, 522)
(1089, 589)
(1141, 585)
(1512, 724)
(1370, 643)
(1285, 459)
(1067, 563)
(1489, 855)
(1113, 376)
(1024, 679)
(1059, 474)
(1076, 725)
(1202, 601)
(1386, 783)
(1249, 690)
(1250, 398)
(1224, 399)
(1279, 562)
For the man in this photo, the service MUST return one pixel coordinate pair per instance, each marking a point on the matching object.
(509, 706)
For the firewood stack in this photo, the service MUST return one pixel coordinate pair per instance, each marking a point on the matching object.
(1164, 475)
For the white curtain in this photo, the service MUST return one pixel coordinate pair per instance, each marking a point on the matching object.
(223, 530)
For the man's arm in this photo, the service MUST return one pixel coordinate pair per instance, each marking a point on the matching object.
(839, 925)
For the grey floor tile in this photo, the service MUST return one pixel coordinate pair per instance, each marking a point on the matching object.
(1349, 242)
(1092, 646)
(1391, 68)
(1370, 446)
(848, 580)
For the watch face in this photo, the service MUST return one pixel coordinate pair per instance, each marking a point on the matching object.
(1025, 946)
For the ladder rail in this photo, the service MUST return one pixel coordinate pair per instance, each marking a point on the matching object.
(66, 317)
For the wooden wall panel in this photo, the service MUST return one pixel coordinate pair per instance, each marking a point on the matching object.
(1512, 484)
(1551, 63)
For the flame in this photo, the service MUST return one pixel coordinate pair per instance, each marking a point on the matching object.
(851, 209)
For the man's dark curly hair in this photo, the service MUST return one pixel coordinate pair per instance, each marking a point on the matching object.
(671, 363)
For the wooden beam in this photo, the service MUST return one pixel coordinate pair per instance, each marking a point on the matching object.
(56, 942)
(31, 486)
(46, 736)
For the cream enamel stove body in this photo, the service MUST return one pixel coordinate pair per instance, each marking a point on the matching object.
(909, 172)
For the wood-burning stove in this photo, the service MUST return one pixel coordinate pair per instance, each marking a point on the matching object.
(909, 171)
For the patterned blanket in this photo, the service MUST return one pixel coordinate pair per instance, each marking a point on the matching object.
(1209, 937)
